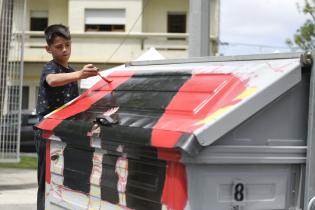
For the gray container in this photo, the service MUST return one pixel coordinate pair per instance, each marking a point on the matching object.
(247, 145)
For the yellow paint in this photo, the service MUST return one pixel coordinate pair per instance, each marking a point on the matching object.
(215, 115)
(56, 110)
(246, 93)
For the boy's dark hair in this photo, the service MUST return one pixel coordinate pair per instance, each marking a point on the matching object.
(53, 31)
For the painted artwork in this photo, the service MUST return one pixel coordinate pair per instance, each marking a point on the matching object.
(119, 145)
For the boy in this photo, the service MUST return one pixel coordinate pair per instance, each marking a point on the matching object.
(58, 85)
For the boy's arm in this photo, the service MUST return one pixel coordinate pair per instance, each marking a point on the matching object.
(60, 79)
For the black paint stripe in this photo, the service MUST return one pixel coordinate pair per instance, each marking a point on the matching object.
(109, 180)
(77, 169)
(142, 101)
(74, 132)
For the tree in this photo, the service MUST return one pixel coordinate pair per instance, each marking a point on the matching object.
(305, 35)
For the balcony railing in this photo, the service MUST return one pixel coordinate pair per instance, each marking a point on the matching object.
(102, 46)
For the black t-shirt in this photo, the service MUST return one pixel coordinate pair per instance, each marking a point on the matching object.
(51, 98)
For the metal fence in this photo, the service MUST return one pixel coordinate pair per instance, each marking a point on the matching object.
(12, 13)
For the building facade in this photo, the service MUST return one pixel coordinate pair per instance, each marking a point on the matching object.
(108, 32)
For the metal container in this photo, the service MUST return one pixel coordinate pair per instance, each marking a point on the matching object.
(215, 133)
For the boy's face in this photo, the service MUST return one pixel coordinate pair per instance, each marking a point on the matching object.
(60, 49)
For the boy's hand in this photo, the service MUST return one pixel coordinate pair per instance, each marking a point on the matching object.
(88, 71)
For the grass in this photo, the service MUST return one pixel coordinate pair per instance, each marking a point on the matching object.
(25, 163)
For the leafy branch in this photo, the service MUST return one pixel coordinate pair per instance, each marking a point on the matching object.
(304, 37)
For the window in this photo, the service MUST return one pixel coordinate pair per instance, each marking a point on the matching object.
(39, 20)
(176, 23)
(25, 96)
(105, 20)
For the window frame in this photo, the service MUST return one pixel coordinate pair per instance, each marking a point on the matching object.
(183, 14)
(96, 23)
(39, 16)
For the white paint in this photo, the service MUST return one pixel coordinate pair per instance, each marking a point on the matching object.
(151, 54)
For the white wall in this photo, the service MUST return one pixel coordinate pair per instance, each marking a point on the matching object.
(155, 14)
(77, 7)
(57, 11)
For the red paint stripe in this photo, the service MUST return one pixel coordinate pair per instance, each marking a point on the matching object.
(168, 154)
(175, 188)
(47, 172)
(164, 138)
(198, 98)
(48, 124)
(86, 100)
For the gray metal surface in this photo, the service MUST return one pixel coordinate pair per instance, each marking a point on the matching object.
(269, 136)
(273, 56)
(11, 65)
(266, 154)
(199, 28)
(267, 187)
(249, 155)
(310, 163)
(210, 133)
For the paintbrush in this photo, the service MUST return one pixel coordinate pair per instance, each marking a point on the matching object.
(103, 78)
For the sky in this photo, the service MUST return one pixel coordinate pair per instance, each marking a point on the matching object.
(258, 26)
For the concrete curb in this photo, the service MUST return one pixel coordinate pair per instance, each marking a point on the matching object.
(13, 177)
(18, 189)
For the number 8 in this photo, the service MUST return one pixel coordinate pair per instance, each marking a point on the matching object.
(239, 192)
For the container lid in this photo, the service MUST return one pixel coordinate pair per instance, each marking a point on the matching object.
(181, 105)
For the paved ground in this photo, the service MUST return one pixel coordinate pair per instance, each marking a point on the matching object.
(18, 189)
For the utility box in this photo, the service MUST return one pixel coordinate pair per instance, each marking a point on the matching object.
(215, 133)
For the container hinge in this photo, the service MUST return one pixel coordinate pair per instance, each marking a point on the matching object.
(106, 120)
(109, 117)
(306, 59)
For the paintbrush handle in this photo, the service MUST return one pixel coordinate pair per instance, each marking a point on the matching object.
(106, 80)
